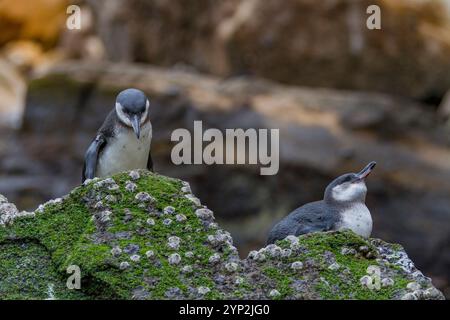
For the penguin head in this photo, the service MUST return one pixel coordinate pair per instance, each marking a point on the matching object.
(132, 109)
(350, 187)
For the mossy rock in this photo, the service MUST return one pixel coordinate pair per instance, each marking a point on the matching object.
(140, 235)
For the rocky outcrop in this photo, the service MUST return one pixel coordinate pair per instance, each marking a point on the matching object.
(140, 235)
(323, 133)
(324, 44)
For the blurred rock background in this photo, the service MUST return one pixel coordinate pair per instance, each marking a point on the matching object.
(340, 94)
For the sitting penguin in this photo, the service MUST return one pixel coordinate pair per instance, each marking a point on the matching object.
(343, 207)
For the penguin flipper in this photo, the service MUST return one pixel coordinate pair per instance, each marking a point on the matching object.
(91, 157)
(150, 162)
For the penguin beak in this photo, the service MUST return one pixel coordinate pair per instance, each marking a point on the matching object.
(366, 171)
(136, 123)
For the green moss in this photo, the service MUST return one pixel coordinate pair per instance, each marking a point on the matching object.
(66, 233)
(282, 279)
(27, 272)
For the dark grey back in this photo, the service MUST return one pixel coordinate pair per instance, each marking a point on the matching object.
(132, 100)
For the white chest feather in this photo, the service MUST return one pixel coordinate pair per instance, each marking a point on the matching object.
(358, 219)
(125, 152)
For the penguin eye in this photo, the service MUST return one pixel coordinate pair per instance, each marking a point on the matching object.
(347, 179)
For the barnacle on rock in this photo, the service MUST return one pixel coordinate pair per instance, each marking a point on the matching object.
(104, 228)
(174, 258)
(297, 265)
(215, 258)
(169, 210)
(130, 186)
(143, 197)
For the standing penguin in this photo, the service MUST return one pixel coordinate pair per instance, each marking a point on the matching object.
(123, 141)
(343, 207)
